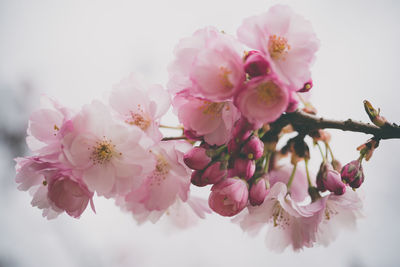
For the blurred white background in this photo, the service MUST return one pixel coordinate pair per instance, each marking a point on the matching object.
(76, 50)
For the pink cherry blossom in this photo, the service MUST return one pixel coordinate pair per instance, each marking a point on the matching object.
(47, 126)
(140, 105)
(169, 179)
(111, 156)
(339, 212)
(287, 41)
(213, 120)
(262, 100)
(208, 64)
(299, 187)
(229, 197)
(292, 225)
(69, 194)
(54, 190)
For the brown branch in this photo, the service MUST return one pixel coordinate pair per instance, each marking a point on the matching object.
(174, 138)
(305, 123)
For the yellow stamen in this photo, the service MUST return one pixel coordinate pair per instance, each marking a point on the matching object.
(278, 47)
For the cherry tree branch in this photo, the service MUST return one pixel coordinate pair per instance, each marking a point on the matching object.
(305, 123)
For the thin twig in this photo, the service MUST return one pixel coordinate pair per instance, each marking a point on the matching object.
(174, 138)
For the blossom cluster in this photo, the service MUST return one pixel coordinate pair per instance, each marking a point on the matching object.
(228, 93)
(112, 150)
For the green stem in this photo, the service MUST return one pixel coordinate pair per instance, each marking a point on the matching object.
(328, 147)
(308, 173)
(320, 150)
(171, 127)
(292, 176)
(267, 160)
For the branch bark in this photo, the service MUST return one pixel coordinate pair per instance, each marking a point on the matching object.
(305, 123)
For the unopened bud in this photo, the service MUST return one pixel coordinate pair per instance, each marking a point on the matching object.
(214, 173)
(254, 148)
(244, 168)
(352, 173)
(329, 179)
(307, 87)
(258, 191)
(197, 158)
(256, 64)
(373, 114)
(196, 179)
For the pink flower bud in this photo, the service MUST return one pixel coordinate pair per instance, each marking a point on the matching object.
(234, 147)
(197, 158)
(244, 168)
(307, 87)
(69, 195)
(242, 130)
(254, 148)
(214, 173)
(256, 64)
(329, 179)
(196, 179)
(192, 135)
(293, 104)
(352, 173)
(229, 197)
(258, 191)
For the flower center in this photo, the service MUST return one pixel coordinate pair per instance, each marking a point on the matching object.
(138, 119)
(224, 79)
(329, 212)
(211, 108)
(161, 170)
(103, 151)
(268, 93)
(278, 47)
(280, 217)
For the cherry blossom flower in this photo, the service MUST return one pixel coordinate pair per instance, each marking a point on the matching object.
(112, 157)
(47, 127)
(213, 120)
(140, 105)
(262, 100)
(339, 212)
(165, 188)
(292, 225)
(54, 190)
(208, 64)
(287, 41)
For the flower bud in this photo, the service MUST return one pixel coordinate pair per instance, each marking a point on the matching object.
(242, 130)
(258, 191)
(329, 179)
(229, 196)
(69, 195)
(197, 158)
(256, 64)
(307, 87)
(214, 173)
(233, 147)
(191, 135)
(254, 148)
(244, 168)
(293, 104)
(196, 179)
(352, 173)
